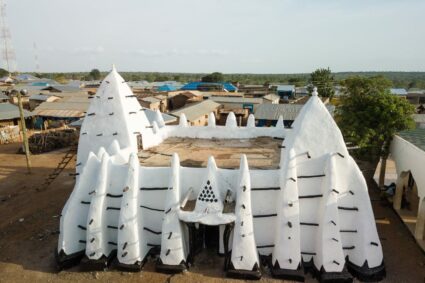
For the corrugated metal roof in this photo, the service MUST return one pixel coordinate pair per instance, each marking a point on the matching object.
(197, 85)
(26, 77)
(60, 113)
(285, 87)
(196, 110)
(63, 88)
(9, 111)
(167, 87)
(414, 136)
(398, 91)
(43, 97)
(235, 99)
(269, 111)
(62, 108)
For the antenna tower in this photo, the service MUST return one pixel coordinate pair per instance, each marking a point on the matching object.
(8, 54)
(37, 62)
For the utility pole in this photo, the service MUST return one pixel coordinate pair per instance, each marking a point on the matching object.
(24, 129)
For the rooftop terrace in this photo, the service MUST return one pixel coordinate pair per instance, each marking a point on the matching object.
(262, 152)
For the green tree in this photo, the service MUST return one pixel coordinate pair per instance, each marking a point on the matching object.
(3, 73)
(60, 78)
(370, 115)
(213, 78)
(95, 74)
(296, 81)
(323, 80)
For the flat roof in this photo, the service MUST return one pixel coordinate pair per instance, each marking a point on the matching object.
(262, 152)
(415, 137)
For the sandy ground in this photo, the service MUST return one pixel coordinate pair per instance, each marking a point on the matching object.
(29, 226)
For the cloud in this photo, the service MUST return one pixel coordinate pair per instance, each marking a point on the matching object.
(88, 50)
(178, 52)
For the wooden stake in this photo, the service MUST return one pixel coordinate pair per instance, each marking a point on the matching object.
(24, 133)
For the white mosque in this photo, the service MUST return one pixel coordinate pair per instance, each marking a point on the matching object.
(310, 212)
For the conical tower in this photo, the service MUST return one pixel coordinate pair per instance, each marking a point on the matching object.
(114, 114)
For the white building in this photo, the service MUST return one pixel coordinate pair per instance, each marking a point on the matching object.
(408, 153)
(309, 210)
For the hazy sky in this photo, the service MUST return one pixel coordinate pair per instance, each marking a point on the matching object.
(245, 36)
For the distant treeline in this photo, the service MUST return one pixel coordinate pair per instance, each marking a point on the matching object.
(399, 79)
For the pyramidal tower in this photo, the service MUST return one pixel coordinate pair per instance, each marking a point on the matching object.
(114, 114)
(324, 208)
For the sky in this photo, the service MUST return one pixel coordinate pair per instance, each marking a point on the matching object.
(229, 36)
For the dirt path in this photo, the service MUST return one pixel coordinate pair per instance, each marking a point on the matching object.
(29, 226)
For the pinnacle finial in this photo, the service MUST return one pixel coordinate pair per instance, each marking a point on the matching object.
(113, 68)
(315, 93)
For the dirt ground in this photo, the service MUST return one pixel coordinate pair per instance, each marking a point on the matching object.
(29, 227)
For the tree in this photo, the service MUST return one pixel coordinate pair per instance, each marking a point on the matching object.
(296, 81)
(323, 80)
(3, 73)
(95, 74)
(60, 78)
(370, 115)
(213, 78)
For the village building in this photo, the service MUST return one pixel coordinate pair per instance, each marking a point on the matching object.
(197, 113)
(10, 122)
(203, 86)
(254, 90)
(26, 78)
(36, 99)
(239, 102)
(416, 96)
(268, 114)
(61, 112)
(182, 98)
(301, 91)
(9, 115)
(150, 102)
(285, 92)
(62, 88)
